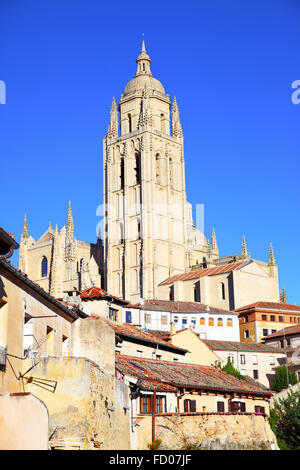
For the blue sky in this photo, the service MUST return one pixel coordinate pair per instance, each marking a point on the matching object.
(230, 65)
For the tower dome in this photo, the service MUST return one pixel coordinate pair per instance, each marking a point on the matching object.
(143, 76)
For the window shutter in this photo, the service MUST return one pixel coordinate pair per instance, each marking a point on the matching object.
(220, 406)
(193, 406)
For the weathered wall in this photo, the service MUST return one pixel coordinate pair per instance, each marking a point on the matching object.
(214, 431)
(89, 409)
(23, 422)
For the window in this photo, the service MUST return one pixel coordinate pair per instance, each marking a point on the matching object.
(272, 360)
(148, 318)
(264, 317)
(128, 317)
(255, 374)
(230, 358)
(220, 322)
(112, 314)
(202, 321)
(184, 322)
(158, 357)
(281, 318)
(237, 407)
(44, 266)
(265, 332)
(157, 164)
(164, 319)
(197, 291)
(220, 407)
(259, 409)
(193, 322)
(171, 293)
(189, 406)
(211, 321)
(229, 321)
(175, 319)
(162, 123)
(246, 334)
(243, 359)
(288, 342)
(146, 404)
(254, 359)
(281, 343)
(223, 290)
(137, 169)
(122, 173)
(273, 318)
(129, 123)
(139, 353)
(291, 319)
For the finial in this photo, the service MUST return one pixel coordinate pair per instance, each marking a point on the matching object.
(283, 297)
(70, 217)
(214, 245)
(271, 255)
(143, 62)
(25, 228)
(245, 253)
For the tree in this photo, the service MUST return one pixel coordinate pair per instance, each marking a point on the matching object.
(285, 420)
(230, 369)
(281, 377)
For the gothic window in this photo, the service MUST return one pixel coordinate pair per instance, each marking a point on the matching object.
(197, 291)
(129, 123)
(157, 167)
(121, 228)
(44, 266)
(162, 123)
(137, 168)
(122, 173)
(223, 290)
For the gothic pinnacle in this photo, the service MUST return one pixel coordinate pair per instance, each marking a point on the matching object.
(25, 228)
(245, 253)
(214, 245)
(271, 255)
(70, 217)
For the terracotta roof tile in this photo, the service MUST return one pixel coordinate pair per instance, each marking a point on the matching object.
(217, 345)
(195, 274)
(289, 330)
(184, 375)
(269, 305)
(179, 307)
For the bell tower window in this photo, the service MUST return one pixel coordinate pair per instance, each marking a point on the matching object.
(129, 123)
(44, 267)
(122, 173)
(137, 168)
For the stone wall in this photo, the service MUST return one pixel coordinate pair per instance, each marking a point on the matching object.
(209, 431)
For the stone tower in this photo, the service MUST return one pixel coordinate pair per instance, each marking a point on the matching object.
(145, 228)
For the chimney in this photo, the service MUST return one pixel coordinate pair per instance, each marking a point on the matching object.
(172, 328)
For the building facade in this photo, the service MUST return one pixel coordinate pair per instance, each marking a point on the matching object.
(58, 262)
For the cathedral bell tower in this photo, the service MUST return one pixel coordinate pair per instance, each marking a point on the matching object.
(144, 189)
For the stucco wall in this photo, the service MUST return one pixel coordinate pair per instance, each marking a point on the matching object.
(23, 422)
(213, 431)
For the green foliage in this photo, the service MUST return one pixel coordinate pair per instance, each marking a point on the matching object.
(230, 369)
(154, 445)
(280, 379)
(285, 421)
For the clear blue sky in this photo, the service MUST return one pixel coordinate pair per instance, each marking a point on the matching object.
(230, 64)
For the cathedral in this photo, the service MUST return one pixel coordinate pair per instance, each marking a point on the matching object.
(151, 248)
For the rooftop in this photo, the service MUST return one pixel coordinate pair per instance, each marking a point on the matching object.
(289, 330)
(240, 346)
(195, 274)
(161, 375)
(261, 305)
(96, 293)
(178, 307)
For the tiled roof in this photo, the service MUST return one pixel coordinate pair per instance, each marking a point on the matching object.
(195, 274)
(160, 333)
(239, 346)
(134, 332)
(269, 306)
(96, 293)
(289, 330)
(179, 307)
(183, 375)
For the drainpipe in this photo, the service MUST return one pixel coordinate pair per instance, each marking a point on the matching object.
(153, 417)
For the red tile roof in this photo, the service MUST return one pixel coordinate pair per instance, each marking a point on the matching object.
(183, 375)
(217, 345)
(289, 330)
(126, 329)
(179, 307)
(96, 293)
(195, 274)
(269, 306)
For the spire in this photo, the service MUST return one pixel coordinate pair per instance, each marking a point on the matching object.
(176, 125)
(271, 256)
(283, 297)
(145, 113)
(25, 228)
(114, 120)
(70, 224)
(245, 252)
(143, 62)
(214, 245)
(69, 240)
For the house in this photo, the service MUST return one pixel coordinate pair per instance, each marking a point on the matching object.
(261, 319)
(288, 341)
(180, 402)
(209, 322)
(252, 359)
